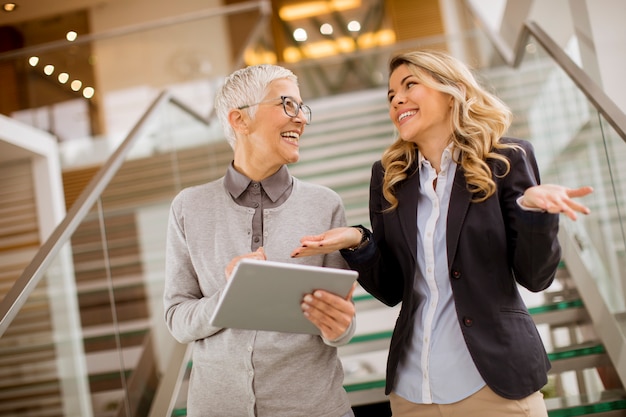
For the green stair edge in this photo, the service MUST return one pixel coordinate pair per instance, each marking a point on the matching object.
(583, 410)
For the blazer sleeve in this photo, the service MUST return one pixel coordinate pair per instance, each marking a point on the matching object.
(380, 271)
(534, 250)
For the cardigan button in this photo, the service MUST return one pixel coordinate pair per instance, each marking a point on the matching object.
(468, 321)
(456, 274)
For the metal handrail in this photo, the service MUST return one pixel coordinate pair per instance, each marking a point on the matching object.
(608, 330)
(32, 274)
(514, 56)
(594, 93)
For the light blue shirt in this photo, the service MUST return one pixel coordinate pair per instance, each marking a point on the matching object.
(438, 368)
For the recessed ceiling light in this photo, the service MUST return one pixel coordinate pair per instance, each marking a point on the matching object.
(354, 26)
(9, 7)
(88, 92)
(300, 35)
(76, 85)
(326, 29)
(305, 9)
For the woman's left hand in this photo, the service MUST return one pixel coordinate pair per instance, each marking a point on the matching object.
(329, 312)
(556, 199)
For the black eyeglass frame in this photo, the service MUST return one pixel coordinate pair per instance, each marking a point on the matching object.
(306, 110)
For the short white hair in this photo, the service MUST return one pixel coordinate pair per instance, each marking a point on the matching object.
(244, 87)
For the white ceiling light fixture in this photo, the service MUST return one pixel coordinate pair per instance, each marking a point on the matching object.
(354, 26)
(71, 36)
(300, 35)
(33, 61)
(305, 9)
(326, 29)
(88, 92)
(76, 85)
(63, 77)
(9, 7)
(48, 69)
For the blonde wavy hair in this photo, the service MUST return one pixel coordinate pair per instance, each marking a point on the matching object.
(479, 119)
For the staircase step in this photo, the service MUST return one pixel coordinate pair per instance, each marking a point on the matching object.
(590, 355)
(364, 358)
(604, 404)
(560, 313)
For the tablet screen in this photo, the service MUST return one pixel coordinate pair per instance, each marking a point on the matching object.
(266, 295)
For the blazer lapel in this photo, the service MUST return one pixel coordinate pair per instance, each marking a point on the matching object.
(407, 211)
(460, 198)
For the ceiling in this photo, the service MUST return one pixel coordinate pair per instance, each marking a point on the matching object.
(35, 23)
(36, 9)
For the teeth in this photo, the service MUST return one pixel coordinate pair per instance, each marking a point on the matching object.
(406, 114)
(291, 136)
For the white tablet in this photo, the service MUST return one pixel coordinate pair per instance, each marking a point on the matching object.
(266, 295)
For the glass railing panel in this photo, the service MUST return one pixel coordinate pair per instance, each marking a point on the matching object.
(85, 340)
(575, 146)
(43, 359)
(176, 151)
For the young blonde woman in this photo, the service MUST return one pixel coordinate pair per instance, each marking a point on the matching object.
(458, 219)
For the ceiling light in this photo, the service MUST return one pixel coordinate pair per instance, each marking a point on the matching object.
(303, 10)
(344, 44)
(326, 29)
(300, 35)
(9, 7)
(255, 56)
(76, 85)
(63, 77)
(33, 61)
(354, 26)
(88, 92)
(48, 69)
(373, 39)
(71, 36)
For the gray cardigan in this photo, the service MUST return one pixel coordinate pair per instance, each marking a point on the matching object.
(243, 372)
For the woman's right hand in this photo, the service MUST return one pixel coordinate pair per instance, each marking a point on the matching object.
(327, 242)
(258, 254)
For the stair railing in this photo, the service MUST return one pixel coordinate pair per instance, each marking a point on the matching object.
(54, 249)
(593, 252)
(34, 272)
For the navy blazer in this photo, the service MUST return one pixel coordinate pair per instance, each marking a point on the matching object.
(491, 245)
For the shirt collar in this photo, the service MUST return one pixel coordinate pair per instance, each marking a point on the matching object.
(274, 186)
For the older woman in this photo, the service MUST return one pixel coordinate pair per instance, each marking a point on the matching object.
(257, 210)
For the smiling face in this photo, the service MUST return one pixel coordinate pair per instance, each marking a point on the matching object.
(420, 113)
(271, 138)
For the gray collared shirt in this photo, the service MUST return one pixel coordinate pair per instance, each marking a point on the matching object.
(246, 372)
(268, 193)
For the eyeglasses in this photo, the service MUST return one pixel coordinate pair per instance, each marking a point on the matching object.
(290, 106)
